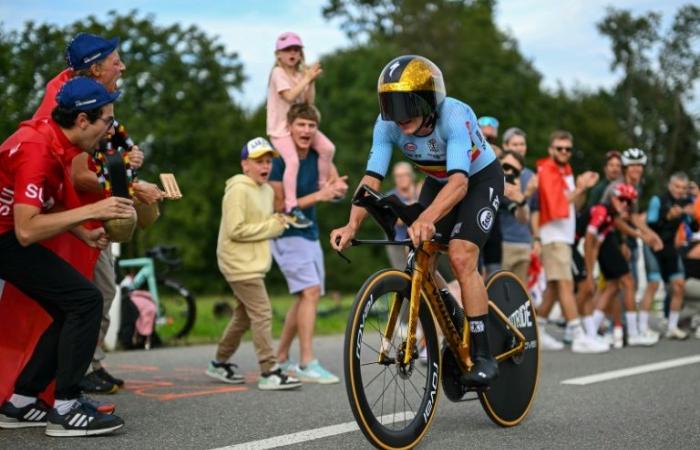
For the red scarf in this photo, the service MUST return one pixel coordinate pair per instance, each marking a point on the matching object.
(554, 203)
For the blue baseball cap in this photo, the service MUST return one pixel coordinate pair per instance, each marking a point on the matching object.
(83, 94)
(488, 121)
(255, 148)
(86, 49)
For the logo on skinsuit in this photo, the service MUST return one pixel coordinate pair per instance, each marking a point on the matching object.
(485, 219)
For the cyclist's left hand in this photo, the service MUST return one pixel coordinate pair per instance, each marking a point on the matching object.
(421, 230)
(135, 157)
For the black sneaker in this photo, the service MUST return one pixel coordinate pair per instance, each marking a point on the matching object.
(81, 420)
(483, 372)
(276, 380)
(33, 415)
(102, 373)
(225, 372)
(92, 383)
(297, 219)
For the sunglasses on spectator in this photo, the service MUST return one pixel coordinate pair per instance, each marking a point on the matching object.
(511, 169)
(488, 121)
(563, 149)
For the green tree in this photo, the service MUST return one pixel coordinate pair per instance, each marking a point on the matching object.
(176, 103)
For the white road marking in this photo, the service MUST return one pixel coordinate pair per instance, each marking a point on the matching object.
(630, 371)
(313, 434)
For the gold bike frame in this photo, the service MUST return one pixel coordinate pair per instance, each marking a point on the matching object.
(423, 284)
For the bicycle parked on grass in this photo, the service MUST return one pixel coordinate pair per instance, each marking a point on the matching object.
(176, 310)
(393, 398)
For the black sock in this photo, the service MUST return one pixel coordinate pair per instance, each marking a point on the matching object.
(479, 336)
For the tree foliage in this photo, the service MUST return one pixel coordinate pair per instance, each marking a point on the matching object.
(177, 102)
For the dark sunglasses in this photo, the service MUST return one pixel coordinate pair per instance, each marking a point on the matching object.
(510, 169)
(564, 149)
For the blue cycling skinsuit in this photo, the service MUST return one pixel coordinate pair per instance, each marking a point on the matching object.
(456, 145)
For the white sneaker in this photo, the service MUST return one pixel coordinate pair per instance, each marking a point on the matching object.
(547, 341)
(676, 333)
(641, 340)
(583, 343)
(277, 380)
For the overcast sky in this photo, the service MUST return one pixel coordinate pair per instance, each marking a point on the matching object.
(559, 36)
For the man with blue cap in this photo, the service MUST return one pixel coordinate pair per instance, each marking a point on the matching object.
(35, 206)
(97, 58)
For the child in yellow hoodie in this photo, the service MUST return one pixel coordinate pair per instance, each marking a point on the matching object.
(243, 254)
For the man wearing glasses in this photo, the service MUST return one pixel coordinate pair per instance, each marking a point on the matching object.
(554, 230)
(38, 203)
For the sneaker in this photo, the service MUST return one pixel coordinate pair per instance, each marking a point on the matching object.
(103, 407)
(315, 373)
(32, 415)
(225, 372)
(92, 383)
(547, 341)
(288, 366)
(586, 344)
(618, 337)
(641, 340)
(297, 219)
(102, 373)
(676, 333)
(483, 372)
(277, 380)
(81, 420)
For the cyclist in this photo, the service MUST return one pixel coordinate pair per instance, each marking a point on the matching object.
(461, 193)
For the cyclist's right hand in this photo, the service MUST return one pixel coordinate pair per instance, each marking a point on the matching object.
(113, 208)
(341, 238)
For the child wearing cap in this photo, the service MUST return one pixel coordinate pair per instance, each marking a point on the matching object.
(243, 255)
(291, 81)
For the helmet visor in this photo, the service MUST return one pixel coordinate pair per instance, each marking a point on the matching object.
(401, 106)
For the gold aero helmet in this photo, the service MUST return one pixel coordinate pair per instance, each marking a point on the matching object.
(410, 86)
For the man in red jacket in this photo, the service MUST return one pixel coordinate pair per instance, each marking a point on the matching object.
(98, 58)
(36, 205)
(554, 231)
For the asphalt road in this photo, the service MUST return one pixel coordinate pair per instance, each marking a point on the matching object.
(168, 402)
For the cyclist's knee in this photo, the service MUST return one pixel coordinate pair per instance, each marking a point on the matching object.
(464, 257)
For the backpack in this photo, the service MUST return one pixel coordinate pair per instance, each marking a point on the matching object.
(138, 314)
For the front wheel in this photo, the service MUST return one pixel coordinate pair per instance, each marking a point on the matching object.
(177, 311)
(393, 403)
(510, 397)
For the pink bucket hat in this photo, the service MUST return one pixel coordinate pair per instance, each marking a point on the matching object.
(288, 39)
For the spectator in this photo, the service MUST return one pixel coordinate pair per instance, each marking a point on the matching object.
(489, 128)
(491, 254)
(515, 227)
(665, 215)
(612, 171)
(31, 162)
(97, 58)
(405, 190)
(292, 82)
(554, 227)
(243, 254)
(298, 251)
